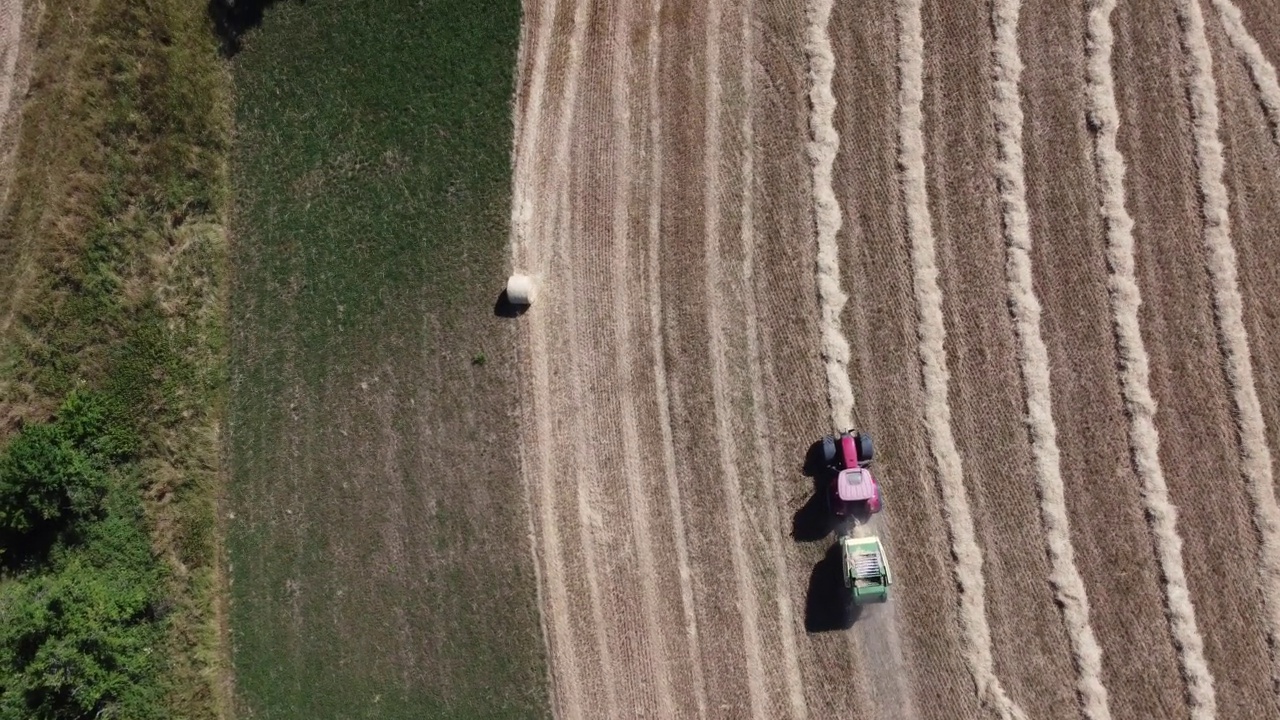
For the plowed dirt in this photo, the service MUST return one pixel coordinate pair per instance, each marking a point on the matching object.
(674, 383)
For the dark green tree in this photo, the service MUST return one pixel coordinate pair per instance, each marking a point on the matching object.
(82, 641)
(54, 472)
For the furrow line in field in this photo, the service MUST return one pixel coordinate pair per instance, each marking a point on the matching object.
(1229, 308)
(556, 177)
(1068, 586)
(587, 519)
(622, 274)
(782, 589)
(933, 358)
(653, 291)
(538, 252)
(554, 601)
(1135, 371)
(528, 251)
(822, 153)
(1260, 68)
(11, 12)
(749, 603)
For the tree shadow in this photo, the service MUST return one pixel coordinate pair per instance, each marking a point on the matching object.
(504, 308)
(828, 605)
(35, 548)
(233, 18)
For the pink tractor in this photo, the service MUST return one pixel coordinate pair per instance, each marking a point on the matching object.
(853, 490)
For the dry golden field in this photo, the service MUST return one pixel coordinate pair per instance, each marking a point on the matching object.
(1030, 246)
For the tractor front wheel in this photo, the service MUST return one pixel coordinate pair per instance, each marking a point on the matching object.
(866, 453)
(828, 449)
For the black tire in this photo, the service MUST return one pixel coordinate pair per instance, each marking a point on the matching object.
(828, 449)
(866, 453)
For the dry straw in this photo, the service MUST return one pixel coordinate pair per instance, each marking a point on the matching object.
(932, 335)
(1010, 177)
(822, 153)
(1135, 373)
(1254, 454)
(1261, 69)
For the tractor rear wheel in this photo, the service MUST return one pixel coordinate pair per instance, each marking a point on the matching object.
(866, 453)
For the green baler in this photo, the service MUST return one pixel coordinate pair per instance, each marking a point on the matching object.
(866, 570)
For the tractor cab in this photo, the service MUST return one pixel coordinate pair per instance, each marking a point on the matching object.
(856, 485)
(866, 569)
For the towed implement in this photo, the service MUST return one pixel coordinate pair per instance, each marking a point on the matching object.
(853, 495)
(866, 569)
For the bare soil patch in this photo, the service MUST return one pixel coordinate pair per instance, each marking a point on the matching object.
(676, 379)
(1188, 380)
(1110, 532)
(17, 36)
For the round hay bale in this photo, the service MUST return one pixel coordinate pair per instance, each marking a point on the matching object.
(520, 290)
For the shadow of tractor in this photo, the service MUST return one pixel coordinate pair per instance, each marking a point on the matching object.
(813, 520)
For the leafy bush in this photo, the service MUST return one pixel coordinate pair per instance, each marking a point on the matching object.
(81, 641)
(55, 472)
(79, 630)
(118, 223)
(43, 478)
(96, 424)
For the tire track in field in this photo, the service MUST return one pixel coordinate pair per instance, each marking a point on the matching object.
(1135, 372)
(536, 253)
(11, 12)
(18, 37)
(566, 690)
(614, 587)
(932, 334)
(715, 279)
(661, 389)
(529, 251)
(586, 516)
(1260, 68)
(786, 614)
(621, 283)
(1034, 358)
(527, 135)
(1228, 305)
(529, 115)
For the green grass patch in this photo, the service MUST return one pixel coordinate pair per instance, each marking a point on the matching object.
(114, 263)
(381, 564)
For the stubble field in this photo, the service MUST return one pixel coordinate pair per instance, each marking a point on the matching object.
(1055, 226)
(1029, 246)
